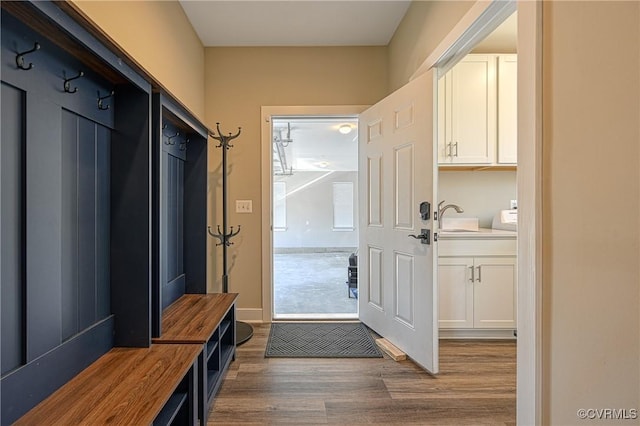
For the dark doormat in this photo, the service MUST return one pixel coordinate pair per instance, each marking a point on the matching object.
(321, 340)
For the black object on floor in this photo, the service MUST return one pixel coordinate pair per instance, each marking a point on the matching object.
(321, 340)
(352, 275)
(244, 332)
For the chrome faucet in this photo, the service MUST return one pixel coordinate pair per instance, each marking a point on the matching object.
(441, 211)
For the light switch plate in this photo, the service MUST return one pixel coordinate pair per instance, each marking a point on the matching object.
(244, 206)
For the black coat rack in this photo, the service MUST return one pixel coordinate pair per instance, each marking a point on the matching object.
(244, 331)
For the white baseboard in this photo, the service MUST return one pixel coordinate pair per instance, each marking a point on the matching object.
(249, 314)
(476, 334)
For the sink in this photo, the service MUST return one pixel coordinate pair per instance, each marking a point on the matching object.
(459, 224)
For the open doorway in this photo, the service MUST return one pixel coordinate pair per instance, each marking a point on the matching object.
(477, 163)
(481, 17)
(314, 198)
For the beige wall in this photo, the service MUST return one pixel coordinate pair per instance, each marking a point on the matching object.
(239, 81)
(159, 37)
(591, 164)
(481, 194)
(423, 27)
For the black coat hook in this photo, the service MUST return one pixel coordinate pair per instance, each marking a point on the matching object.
(67, 86)
(224, 140)
(100, 99)
(20, 57)
(183, 145)
(224, 237)
(170, 138)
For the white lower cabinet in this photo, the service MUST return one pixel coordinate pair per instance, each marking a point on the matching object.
(477, 292)
(455, 304)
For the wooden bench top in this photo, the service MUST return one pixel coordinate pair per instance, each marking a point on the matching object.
(126, 386)
(194, 317)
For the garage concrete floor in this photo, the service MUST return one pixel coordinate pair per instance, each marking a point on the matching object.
(312, 285)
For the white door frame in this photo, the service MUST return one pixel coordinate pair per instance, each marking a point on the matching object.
(479, 21)
(267, 184)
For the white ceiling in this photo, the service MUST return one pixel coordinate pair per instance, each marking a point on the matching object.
(295, 22)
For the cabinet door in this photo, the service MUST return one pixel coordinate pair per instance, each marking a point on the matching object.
(494, 293)
(507, 109)
(472, 85)
(455, 292)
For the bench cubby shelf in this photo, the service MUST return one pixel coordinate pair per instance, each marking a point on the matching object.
(148, 386)
(207, 320)
(105, 173)
(221, 354)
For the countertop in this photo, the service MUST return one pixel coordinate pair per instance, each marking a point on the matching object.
(481, 233)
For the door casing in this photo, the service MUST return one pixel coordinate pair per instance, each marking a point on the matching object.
(267, 112)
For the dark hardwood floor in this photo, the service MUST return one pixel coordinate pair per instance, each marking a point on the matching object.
(476, 386)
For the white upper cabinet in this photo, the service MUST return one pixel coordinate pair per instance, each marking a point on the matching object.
(469, 111)
(508, 109)
(471, 123)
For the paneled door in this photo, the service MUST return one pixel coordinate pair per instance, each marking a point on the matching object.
(397, 292)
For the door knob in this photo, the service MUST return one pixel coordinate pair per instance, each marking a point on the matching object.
(424, 237)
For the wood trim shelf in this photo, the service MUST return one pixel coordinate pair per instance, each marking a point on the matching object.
(81, 17)
(476, 168)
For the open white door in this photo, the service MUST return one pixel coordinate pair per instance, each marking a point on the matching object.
(397, 292)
